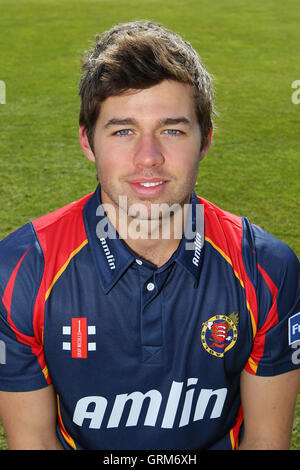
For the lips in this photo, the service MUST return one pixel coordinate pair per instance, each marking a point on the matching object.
(149, 184)
(148, 187)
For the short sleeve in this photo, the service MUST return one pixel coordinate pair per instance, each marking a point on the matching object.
(22, 365)
(278, 301)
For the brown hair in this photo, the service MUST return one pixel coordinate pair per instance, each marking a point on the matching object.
(138, 55)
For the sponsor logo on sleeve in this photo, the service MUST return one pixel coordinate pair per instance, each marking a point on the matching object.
(294, 328)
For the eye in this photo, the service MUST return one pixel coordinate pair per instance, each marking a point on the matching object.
(173, 132)
(123, 132)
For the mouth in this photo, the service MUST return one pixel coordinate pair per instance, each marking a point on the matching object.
(148, 187)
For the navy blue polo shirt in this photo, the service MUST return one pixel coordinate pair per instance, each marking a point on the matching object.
(142, 357)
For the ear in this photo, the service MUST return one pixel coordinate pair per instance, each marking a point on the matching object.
(207, 144)
(85, 145)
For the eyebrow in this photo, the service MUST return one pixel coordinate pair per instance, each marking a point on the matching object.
(174, 121)
(120, 122)
(162, 122)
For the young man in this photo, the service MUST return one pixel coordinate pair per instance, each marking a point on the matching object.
(142, 316)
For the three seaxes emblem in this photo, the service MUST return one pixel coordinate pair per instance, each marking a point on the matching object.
(219, 334)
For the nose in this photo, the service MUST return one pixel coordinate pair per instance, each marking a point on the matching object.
(147, 152)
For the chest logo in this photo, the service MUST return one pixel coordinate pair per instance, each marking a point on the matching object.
(78, 338)
(219, 334)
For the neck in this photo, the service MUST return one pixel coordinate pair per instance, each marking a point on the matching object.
(155, 240)
(157, 253)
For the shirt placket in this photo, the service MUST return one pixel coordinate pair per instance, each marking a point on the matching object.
(151, 316)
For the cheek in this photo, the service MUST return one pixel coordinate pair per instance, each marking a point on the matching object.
(186, 161)
(108, 160)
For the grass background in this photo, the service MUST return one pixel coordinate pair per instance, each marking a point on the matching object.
(251, 49)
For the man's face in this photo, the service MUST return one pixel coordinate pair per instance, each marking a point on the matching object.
(147, 146)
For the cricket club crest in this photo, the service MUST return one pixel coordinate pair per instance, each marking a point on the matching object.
(219, 334)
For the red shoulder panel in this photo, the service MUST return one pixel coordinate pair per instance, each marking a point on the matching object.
(61, 235)
(224, 231)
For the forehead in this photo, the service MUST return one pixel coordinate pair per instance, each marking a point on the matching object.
(168, 99)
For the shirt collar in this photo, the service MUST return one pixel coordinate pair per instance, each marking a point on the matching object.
(113, 257)
(191, 248)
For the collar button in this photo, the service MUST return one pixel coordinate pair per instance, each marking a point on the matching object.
(150, 286)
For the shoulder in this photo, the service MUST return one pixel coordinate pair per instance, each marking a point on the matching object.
(23, 253)
(61, 234)
(27, 238)
(214, 213)
(221, 226)
(21, 271)
(16, 250)
(255, 253)
(60, 216)
(275, 259)
(223, 231)
(269, 250)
